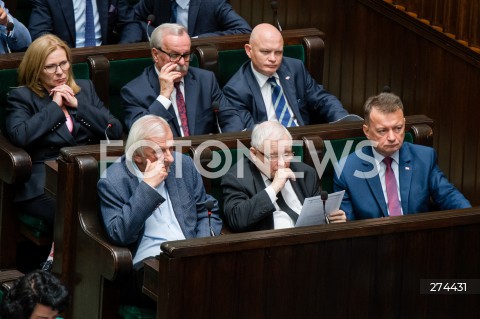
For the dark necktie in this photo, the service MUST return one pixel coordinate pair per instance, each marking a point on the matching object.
(182, 110)
(173, 17)
(280, 104)
(394, 207)
(89, 25)
(285, 208)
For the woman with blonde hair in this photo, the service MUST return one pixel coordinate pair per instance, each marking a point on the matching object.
(51, 110)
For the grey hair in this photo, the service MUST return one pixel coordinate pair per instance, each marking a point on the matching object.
(268, 131)
(144, 129)
(165, 29)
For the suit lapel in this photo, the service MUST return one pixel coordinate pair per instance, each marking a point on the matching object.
(260, 109)
(102, 7)
(193, 8)
(192, 96)
(288, 85)
(405, 171)
(175, 198)
(165, 12)
(67, 9)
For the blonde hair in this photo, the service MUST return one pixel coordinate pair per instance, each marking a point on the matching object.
(33, 63)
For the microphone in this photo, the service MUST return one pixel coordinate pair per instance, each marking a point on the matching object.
(209, 206)
(216, 109)
(150, 19)
(274, 5)
(324, 197)
(386, 89)
(109, 125)
(10, 27)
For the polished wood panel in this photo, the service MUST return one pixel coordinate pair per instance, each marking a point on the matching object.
(373, 266)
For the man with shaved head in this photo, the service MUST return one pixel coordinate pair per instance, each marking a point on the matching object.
(277, 88)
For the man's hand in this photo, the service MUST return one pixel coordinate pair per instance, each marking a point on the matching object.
(3, 17)
(155, 173)
(167, 76)
(281, 177)
(337, 216)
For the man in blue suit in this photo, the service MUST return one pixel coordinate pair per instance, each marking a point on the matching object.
(14, 40)
(201, 18)
(182, 95)
(250, 89)
(67, 19)
(370, 189)
(144, 201)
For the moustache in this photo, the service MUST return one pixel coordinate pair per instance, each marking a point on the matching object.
(181, 68)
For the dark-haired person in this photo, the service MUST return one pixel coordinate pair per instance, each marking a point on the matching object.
(393, 177)
(38, 294)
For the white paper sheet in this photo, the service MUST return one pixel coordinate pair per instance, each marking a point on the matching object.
(312, 210)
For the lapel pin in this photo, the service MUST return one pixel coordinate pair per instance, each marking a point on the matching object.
(407, 168)
(287, 78)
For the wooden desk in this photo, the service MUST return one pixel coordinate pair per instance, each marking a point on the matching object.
(51, 180)
(361, 269)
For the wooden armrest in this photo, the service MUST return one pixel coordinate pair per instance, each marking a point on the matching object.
(112, 261)
(15, 163)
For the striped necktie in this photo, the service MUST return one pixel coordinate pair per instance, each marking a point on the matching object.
(280, 104)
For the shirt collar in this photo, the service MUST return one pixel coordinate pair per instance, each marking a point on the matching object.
(261, 78)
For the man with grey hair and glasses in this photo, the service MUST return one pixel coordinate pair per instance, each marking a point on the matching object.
(269, 191)
(184, 96)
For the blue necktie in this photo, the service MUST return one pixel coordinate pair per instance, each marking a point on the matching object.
(89, 25)
(280, 104)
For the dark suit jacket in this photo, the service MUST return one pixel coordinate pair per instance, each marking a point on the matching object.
(205, 17)
(246, 204)
(310, 103)
(126, 204)
(139, 97)
(57, 17)
(38, 125)
(420, 182)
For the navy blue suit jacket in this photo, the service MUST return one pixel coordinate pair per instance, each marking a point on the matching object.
(421, 182)
(57, 17)
(125, 203)
(139, 98)
(205, 17)
(309, 101)
(38, 125)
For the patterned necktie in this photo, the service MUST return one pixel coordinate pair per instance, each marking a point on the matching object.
(89, 25)
(182, 110)
(280, 104)
(394, 207)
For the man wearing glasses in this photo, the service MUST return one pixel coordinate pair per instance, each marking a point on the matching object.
(269, 191)
(180, 94)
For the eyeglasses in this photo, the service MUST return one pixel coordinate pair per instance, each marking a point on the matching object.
(175, 57)
(287, 156)
(52, 68)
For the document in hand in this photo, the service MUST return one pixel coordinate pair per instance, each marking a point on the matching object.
(312, 210)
